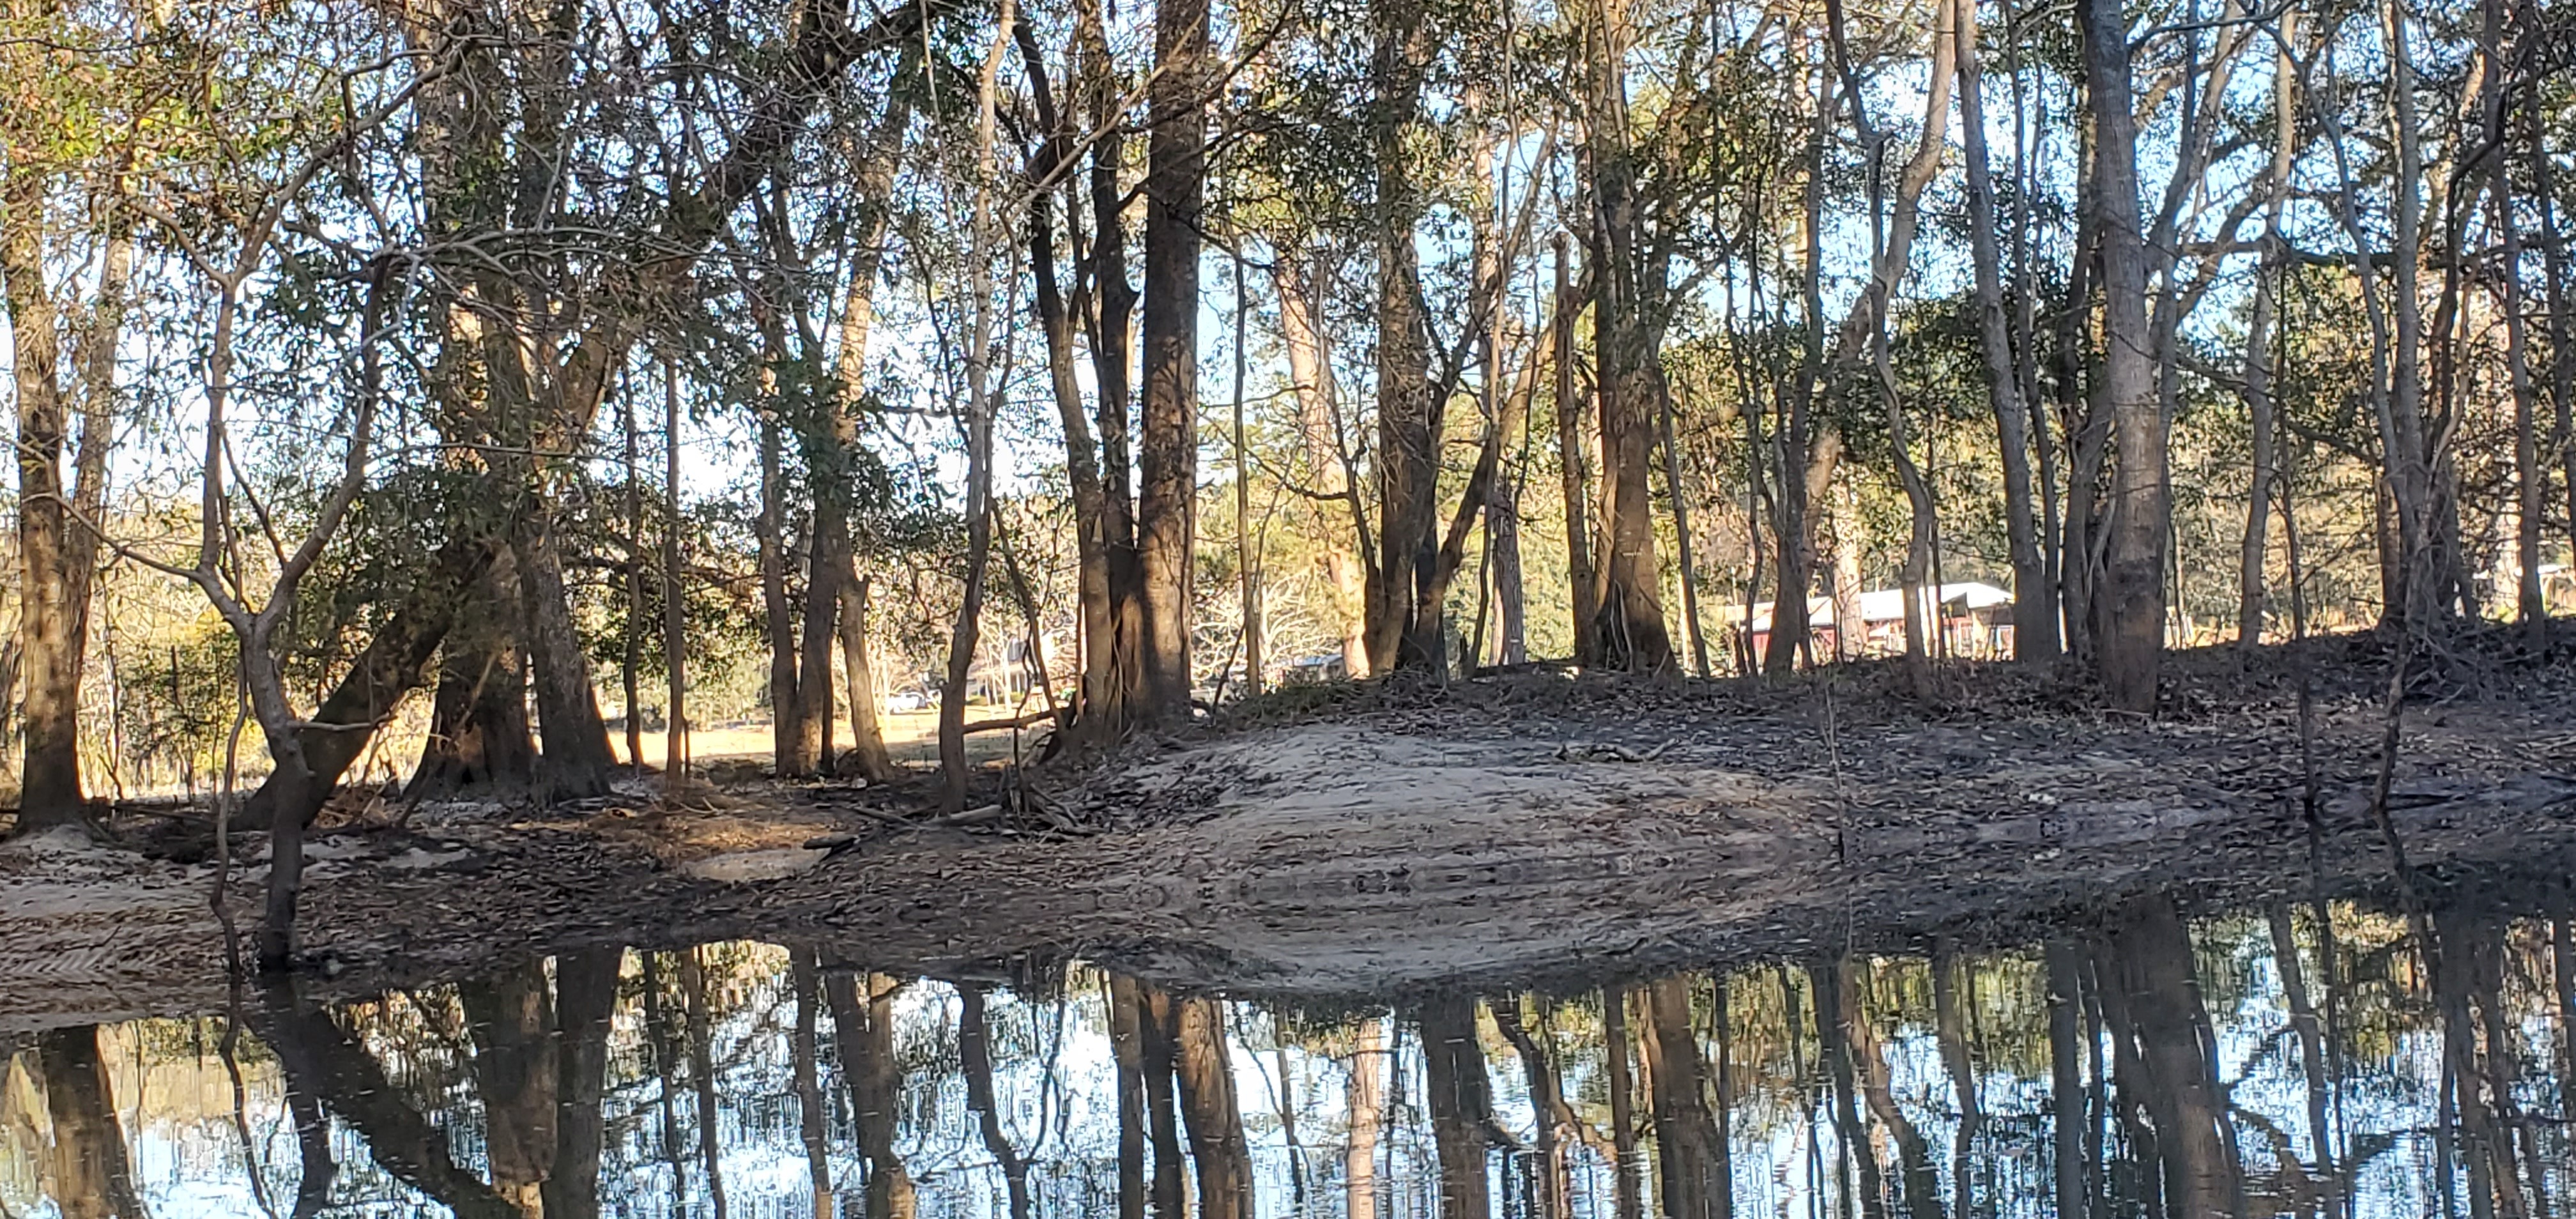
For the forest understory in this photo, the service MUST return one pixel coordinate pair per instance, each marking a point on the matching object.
(1355, 839)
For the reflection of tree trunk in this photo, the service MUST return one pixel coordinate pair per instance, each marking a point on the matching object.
(92, 1179)
(1367, 1097)
(1623, 1114)
(2465, 972)
(1920, 1183)
(702, 1073)
(2162, 997)
(585, 1006)
(320, 1060)
(2303, 1021)
(1461, 1103)
(809, 1086)
(975, 1061)
(1836, 1036)
(1547, 1104)
(512, 1022)
(1951, 1029)
(2066, 1079)
(2562, 956)
(863, 1031)
(1154, 1018)
(664, 1041)
(1697, 1179)
(313, 1148)
(1208, 1104)
(1127, 1049)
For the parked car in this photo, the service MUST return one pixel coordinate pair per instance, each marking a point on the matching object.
(910, 700)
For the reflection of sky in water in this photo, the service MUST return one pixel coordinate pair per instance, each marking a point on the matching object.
(1056, 1085)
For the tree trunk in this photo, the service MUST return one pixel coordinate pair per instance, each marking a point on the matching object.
(2250, 598)
(1366, 1110)
(1570, 451)
(573, 761)
(2531, 478)
(675, 621)
(633, 662)
(2034, 612)
(1247, 551)
(2131, 648)
(1167, 449)
(1319, 427)
(479, 735)
(1408, 407)
(49, 791)
(786, 707)
(859, 666)
(1630, 631)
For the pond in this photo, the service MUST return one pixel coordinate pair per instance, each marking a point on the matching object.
(2331, 1058)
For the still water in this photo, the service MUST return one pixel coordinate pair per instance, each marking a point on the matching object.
(2327, 1059)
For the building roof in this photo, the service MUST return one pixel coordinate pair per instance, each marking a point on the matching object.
(1888, 604)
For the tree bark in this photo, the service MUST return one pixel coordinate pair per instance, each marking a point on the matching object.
(1408, 407)
(1367, 1101)
(1630, 631)
(787, 754)
(49, 791)
(2157, 973)
(1570, 451)
(2130, 651)
(2034, 611)
(1167, 448)
(1298, 279)
(975, 1062)
(2259, 406)
(574, 761)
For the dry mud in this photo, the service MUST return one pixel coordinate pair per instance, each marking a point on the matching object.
(1510, 841)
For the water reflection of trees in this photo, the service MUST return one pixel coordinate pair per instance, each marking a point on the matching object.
(2311, 1060)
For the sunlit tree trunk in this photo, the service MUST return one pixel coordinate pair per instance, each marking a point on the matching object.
(1630, 632)
(1408, 406)
(49, 791)
(1298, 279)
(2258, 346)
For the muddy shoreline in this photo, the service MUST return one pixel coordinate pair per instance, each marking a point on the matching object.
(1477, 835)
